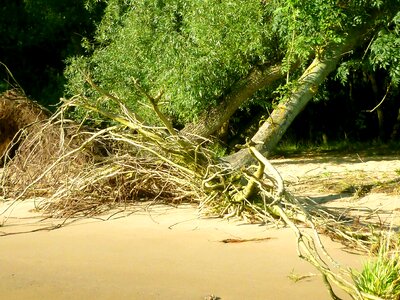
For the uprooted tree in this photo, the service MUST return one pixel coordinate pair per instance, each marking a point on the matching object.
(72, 171)
(160, 65)
(210, 59)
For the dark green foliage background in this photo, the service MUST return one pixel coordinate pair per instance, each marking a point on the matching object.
(36, 36)
(196, 51)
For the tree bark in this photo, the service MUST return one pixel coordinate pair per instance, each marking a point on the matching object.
(396, 128)
(272, 130)
(378, 108)
(211, 120)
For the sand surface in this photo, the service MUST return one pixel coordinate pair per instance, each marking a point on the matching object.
(166, 253)
(170, 253)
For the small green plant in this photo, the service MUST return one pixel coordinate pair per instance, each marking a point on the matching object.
(218, 148)
(380, 276)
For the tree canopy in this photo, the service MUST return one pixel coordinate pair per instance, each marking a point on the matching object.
(197, 53)
(215, 62)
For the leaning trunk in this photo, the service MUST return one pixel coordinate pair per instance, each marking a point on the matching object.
(272, 130)
(213, 119)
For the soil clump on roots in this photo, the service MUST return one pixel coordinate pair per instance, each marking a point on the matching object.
(17, 114)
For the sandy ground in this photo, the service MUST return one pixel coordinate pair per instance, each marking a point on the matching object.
(368, 185)
(166, 253)
(170, 253)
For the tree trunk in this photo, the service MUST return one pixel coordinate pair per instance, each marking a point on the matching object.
(272, 130)
(212, 120)
(379, 111)
(396, 128)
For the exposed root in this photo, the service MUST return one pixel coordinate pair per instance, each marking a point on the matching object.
(86, 172)
(281, 206)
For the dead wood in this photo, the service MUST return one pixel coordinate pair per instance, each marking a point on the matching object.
(82, 172)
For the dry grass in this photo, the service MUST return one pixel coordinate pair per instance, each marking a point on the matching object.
(81, 172)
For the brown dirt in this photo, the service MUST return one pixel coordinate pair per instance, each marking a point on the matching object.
(16, 112)
(34, 142)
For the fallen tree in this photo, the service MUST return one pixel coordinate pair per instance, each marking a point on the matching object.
(80, 172)
(89, 172)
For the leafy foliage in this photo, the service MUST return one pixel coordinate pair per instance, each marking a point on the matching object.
(195, 51)
(385, 51)
(192, 51)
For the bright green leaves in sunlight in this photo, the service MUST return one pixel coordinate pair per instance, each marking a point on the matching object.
(192, 50)
(310, 24)
(195, 51)
(385, 50)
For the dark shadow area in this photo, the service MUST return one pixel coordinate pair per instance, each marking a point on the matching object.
(359, 190)
(327, 198)
(36, 39)
(334, 159)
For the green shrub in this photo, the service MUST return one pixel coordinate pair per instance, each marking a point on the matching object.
(380, 276)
